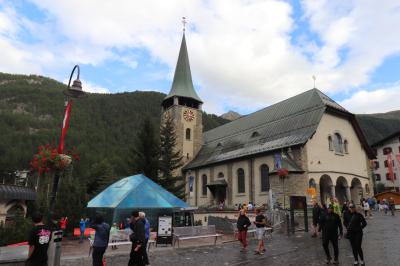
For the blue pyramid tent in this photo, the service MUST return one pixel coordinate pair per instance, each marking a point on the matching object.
(136, 192)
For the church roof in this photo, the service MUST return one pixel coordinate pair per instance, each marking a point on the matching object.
(182, 84)
(136, 192)
(284, 124)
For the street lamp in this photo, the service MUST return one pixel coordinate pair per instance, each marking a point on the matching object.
(74, 91)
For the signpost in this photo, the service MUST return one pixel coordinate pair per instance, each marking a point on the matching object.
(164, 230)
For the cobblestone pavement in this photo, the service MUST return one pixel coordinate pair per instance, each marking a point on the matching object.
(381, 248)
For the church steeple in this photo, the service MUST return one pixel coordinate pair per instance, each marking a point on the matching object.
(182, 85)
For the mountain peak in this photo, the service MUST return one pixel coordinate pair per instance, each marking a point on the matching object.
(231, 115)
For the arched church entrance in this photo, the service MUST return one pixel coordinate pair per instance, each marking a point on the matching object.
(341, 190)
(325, 188)
(356, 190)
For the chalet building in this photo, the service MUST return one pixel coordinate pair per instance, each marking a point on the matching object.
(387, 152)
(316, 139)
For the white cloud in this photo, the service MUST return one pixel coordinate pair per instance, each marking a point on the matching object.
(241, 52)
(376, 101)
(88, 86)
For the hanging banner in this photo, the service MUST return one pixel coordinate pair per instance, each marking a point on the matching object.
(191, 181)
(64, 126)
(278, 162)
(390, 167)
(398, 158)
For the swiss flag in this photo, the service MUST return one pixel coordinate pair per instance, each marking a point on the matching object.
(64, 126)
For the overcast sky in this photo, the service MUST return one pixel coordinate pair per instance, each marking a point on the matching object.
(244, 55)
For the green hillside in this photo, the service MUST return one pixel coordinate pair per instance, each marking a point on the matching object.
(102, 126)
(379, 126)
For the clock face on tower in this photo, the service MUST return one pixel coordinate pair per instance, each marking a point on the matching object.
(188, 115)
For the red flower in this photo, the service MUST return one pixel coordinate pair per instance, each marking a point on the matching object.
(282, 172)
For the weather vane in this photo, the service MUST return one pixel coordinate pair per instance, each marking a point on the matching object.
(314, 78)
(184, 23)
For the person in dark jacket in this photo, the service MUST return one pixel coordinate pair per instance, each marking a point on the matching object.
(138, 240)
(243, 224)
(101, 239)
(331, 227)
(316, 215)
(355, 224)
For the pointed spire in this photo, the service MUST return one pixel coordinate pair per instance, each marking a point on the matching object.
(182, 84)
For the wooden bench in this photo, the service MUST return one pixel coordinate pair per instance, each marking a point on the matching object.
(194, 232)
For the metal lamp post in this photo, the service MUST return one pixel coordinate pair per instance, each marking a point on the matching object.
(74, 91)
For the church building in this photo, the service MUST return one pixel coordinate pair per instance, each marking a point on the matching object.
(318, 141)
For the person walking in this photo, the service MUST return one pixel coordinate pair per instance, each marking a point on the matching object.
(332, 231)
(142, 215)
(260, 223)
(63, 224)
(243, 224)
(38, 241)
(355, 223)
(392, 205)
(316, 215)
(82, 228)
(365, 205)
(114, 235)
(138, 240)
(101, 239)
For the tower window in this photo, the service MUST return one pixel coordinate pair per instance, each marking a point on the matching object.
(241, 181)
(220, 175)
(346, 146)
(188, 134)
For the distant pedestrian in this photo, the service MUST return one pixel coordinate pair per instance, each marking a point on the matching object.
(355, 224)
(63, 224)
(39, 239)
(114, 235)
(332, 231)
(260, 223)
(101, 239)
(250, 206)
(392, 205)
(243, 224)
(138, 239)
(82, 228)
(316, 215)
(147, 237)
(365, 205)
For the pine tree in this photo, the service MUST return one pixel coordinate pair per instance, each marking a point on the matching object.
(101, 176)
(170, 160)
(146, 150)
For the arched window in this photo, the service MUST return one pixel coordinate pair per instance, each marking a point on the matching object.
(338, 143)
(188, 134)
(241, 181)
(311, 183)
(346, 146)
(366, 188)
(264, 174)
(220, 175)
(330, 143)
(204, 185)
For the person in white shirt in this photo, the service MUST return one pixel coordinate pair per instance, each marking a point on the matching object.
(366, 208)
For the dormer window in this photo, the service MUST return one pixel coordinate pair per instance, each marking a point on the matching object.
(219, 145)
(255, 134)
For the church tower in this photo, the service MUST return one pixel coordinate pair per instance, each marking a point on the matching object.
(183, 105)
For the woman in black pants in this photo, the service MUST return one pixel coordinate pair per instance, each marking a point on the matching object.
(355, 224)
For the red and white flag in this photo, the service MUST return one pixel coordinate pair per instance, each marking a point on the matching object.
(64, 126)
(390, 167)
